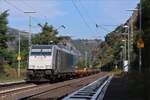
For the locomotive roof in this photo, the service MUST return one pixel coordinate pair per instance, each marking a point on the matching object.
(42, 46)
(62, 47)
(47, 46)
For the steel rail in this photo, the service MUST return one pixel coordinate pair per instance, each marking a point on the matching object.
(37, 90)
(93, 91)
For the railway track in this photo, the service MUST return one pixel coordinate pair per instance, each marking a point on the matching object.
(55, 90)
(93, 91)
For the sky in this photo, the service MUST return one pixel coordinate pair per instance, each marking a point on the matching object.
(78, 16)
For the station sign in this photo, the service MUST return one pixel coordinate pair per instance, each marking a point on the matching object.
(140, 43)
(19, 58)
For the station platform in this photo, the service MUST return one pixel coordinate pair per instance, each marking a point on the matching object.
(118, 89)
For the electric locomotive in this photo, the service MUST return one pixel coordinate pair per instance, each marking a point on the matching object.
(50, 62)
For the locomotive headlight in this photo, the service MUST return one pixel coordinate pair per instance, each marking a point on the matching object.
(48, 66)
(32, 66)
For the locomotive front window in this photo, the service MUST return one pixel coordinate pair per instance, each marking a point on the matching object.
(46, 53)
(40, 52)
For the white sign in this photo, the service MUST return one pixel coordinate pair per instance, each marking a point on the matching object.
(125, 66)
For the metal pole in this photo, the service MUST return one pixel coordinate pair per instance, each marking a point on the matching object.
(19, 56)
(140, 16)
(128, 48)
(29, 31)
(30, 34)
(125, 50)
(86, 59)
(122, 54)
(140, 61)
(120, 58)
(132, 34)
(140, 51)
(62, 26)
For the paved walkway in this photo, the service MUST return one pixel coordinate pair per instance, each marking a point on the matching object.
(118, 89)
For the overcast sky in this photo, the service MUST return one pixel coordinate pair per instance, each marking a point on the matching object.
(79, 16)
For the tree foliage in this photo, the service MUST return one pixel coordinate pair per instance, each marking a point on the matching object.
(109, 51)
(3, 39)
(6, 56)
(3, 29)
(48, 35)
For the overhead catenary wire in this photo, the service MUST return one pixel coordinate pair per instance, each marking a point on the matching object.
(90, 18)
(39, 13)
(11, 4)
(87, 15)
(20, 10)
(76, 7)
(82, 17)
(17, 8)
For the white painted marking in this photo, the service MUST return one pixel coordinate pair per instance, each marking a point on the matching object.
(19, 88)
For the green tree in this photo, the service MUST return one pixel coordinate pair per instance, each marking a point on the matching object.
(110, 49)
(3, 29)
(3, 39)
(47, 35)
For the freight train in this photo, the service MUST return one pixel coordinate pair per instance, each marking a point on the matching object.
(48, 63)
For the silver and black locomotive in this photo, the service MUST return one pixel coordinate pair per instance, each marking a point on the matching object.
(51, 62)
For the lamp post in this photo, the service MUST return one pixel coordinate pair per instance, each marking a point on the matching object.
(128, 45)
(86, 55)
(140, 28)
(61, 26)
(132, 32)
(125, 62)
(125, 49)
(140, 51)
(122, 54)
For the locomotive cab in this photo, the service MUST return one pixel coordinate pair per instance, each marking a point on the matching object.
(40, 62)
(40, 59)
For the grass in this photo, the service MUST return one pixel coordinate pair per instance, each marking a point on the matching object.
(10, 74)
(4, 79)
